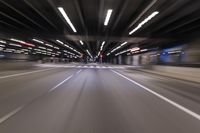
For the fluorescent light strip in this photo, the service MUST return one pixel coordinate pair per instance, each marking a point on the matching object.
(143, 50)
(119, 47)
(109, 13)
(2, 45)
(62, 11)
(123, 43)
(135, 49)
(36, 40)
(22, 42)
(89, 53)
(1, 41)
(56, 48)
(42, 47)
(60, 41)
(49, 45)
(16, 45)
(49, 50)
(128, 50)
(81, 42)
(68, 47)
(102, 45)
(144, 22)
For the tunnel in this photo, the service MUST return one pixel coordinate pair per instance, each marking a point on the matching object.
(99, 66)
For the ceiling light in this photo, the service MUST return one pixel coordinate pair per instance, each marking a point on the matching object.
(49, 45)
(35, 40)
(144, 22)
(81, 42)
(123, 43)
(118, 47)
(108, 54)
(49, 49)
(135, 49)
(62, 11)
(41, 47)
(59, 41)
(122, 52)
(89, 53)
(102, 45)
(143, 50)
(2, 45)
(16, 45)
(56, 48)
(22, 42)
(109, 13)
(1, 41)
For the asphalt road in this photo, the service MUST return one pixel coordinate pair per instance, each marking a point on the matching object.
(96, 100)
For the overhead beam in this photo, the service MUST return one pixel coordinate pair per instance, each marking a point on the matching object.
(39, 13)
(22, 14)
(111, 39)
(16, 21)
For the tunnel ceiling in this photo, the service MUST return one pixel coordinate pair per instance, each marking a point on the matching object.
(41, 19)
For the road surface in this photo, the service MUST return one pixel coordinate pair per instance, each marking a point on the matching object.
(96, 99)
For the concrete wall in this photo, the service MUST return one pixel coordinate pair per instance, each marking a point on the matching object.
(185, 73)
(16, 65)
(193, 52)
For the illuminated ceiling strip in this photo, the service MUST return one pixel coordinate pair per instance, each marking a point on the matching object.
(56, 48)
(36, 40)
(22, 42)
(144, 22)
(1, 41)
(122, 52)
(68, 46)
(81, 42)
(89, 53)
(109, 13)
(16, 45)
(2, 45)
(144, 11)
(60, 41)
(49, 45)
(42, 47)
(119, 47)
(102, 45)
(135, 49)
(62, 11)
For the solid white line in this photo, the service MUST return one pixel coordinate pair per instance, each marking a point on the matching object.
(6, 117)
(52, 89)
(195, 115)
(78, 72)
(20, 74)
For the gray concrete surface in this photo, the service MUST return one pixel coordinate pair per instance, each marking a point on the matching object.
(16, 65)
(95, 100)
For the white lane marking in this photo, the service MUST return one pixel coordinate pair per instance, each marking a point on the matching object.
(52, 89)
(20, 74)
(6, 117)
(78, 72)
(195, 115)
